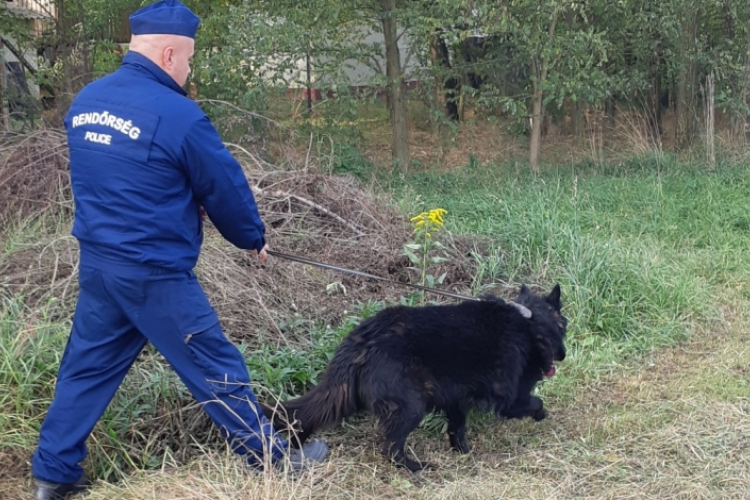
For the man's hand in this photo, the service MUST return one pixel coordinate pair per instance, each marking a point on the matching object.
(263, 255)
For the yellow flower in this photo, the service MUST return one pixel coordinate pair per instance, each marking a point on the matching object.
(418, 217)
(429, 221)
(436, 215)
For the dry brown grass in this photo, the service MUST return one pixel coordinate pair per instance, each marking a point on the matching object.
(34, 179)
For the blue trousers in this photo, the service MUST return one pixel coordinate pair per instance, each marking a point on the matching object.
(116, 314)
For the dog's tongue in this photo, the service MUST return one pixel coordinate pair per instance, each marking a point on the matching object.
(551, 372)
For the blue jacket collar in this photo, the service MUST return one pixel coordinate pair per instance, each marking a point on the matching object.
(144, 66)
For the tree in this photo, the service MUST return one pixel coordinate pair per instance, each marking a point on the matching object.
(687, 71)
(540, 63)
(265, 42)
(394, 74)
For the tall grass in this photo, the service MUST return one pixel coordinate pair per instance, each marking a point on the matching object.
(642, 249)
(30, 351)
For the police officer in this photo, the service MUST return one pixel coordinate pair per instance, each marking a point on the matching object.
(144, 159)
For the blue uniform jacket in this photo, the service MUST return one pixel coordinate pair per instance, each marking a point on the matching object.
(143, 159)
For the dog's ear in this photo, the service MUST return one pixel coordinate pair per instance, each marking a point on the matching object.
(553, 298)
(524, 291)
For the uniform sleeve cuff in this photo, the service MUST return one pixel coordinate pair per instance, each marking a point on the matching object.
(261, 244)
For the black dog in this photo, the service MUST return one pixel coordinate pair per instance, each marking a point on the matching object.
(403, 362)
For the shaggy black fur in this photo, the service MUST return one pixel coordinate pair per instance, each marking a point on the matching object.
(405, 361)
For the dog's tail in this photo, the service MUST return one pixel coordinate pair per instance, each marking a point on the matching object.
(325, 405)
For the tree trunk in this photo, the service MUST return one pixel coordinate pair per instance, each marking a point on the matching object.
(308, 81)
(578, 119)
(687, 83)
(396, 101)
(653, 103)
(536, 126)
(743, 122)
(710, 122)
(3, 116)
(610, 112)
(539, 68)
(445, 86)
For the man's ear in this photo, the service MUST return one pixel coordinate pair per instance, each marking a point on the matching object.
(167, 56)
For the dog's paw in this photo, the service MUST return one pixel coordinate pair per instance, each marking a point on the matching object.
(458, 442)
(539, 414)
(535, 404)
(462, 448)
(414, 466)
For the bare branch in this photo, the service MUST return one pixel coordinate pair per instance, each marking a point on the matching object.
(281, 194)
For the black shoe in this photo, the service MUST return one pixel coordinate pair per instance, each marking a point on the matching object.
(58, 491)
(300, 459)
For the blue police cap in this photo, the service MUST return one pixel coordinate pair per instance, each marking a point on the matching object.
(167, 17)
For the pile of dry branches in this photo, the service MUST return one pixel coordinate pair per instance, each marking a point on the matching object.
(325, 218)
(34, 176)
(38, 256)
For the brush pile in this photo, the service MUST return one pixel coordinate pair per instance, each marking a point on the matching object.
(331, 219)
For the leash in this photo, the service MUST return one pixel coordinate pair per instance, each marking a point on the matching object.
(525, 312)
(370, 276)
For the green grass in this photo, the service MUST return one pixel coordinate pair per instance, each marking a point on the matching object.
(281, 371)
(30, 352)
(640, 249)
